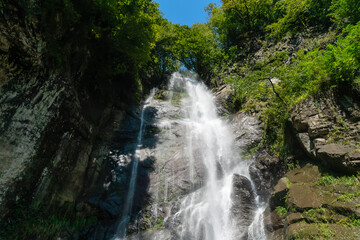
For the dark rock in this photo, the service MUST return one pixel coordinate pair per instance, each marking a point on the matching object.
(279, 194)
(224, 99)
(274, 222)
(244, 204)
(326, 131)
(334, 156)
(265, 172)
(306, 143)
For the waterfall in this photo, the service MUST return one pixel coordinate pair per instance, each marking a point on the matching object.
(206, 213)
(197, 163)
(126, 216)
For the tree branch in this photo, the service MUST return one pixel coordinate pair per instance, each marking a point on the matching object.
(273, 87)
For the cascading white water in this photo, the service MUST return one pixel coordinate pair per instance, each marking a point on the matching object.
(206, 213)
(209, 161)
(126, 216)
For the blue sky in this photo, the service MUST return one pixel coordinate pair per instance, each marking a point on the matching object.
(185, 12)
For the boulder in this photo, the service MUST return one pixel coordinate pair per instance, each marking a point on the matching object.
(337, 156)
(244, 203)
(294, 218)
(307, 174)
(279, 194)
(304, 197)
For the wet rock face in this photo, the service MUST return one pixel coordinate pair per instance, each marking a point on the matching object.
(265, 169)
(165, 181)
(244, 205)
(45, 137)
(327, 130)
(247, 129)
(163, 171)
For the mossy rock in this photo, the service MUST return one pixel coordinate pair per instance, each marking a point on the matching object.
(322, 231)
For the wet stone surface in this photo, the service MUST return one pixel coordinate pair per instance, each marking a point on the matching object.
(166, 177)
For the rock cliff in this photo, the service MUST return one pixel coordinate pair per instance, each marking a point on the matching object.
(49, 117)
(318, 199)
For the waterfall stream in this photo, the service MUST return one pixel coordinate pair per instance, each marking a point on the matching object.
(203, 165)
(121, 229)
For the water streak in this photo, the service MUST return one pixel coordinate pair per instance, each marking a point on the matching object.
(126, 216)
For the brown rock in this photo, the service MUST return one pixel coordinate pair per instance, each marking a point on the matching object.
(308, 174)
(304, 197)
(319, 130)
(278, 234)
(304, 231)
(294, 218)
(346, 208)
(276, 220)
(318, 142)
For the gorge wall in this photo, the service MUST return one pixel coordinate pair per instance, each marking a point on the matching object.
(60, 126)
(50, 115)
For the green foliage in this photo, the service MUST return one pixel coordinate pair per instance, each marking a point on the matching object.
(352, 221)
(299, 15)
(318, 215)
(321, 69)
(238, 20)
(273, 84)
(322, 232)
(347, 197)
(345, 12)
(29, 223)
(120, 42)
(348, 181)
(197, 48)
(281, 211)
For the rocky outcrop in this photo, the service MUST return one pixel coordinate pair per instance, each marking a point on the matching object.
(327, 128)
(248, 133)
(224, 99)
(307, 200)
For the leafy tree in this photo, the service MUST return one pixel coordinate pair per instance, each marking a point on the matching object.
(197, 48)
(345, 12)
(164, 59)
(239, 20)
(299, 15)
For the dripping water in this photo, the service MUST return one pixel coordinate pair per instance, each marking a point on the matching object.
(126, 216)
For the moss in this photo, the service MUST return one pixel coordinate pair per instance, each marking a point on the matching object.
(330, 179)
(314, 232)
(318, 215)
(352, 221)
(347, 197)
